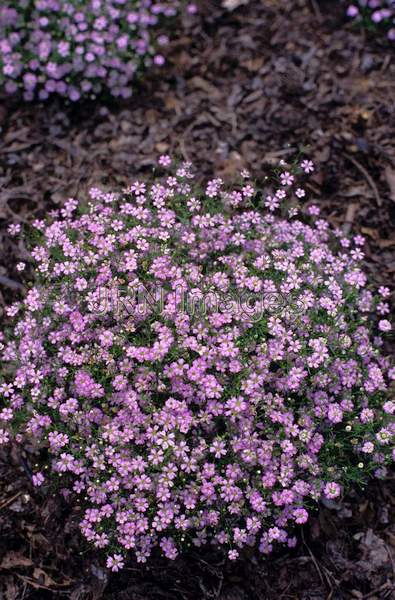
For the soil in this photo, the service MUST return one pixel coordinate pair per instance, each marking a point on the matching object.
(241, 88)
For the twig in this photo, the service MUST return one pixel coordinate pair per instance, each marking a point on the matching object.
(368, 178)
(313, 559)
(219, 588)
(33, 583)
(391, 559)
(385, 586)
(183, 149)
(333, 582)
(317, 11)
(325, 580)
(7, 502)
(24, 591)
(350, 216)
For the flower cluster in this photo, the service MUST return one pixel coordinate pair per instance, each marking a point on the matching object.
(375, 12)
(196, 365)
(80, 47)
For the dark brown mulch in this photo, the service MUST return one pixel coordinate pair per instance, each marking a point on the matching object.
(242, 89)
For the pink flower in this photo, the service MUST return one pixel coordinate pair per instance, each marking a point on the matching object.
(332, 490)
(368, 447)
(352, 11)
(14, 229)
(205, 404)
(286, 178)
(159, 60)
(115, 562)
(164, 160)
(301, 515)
(384, 291)
(307, 166)
(38, 479)
(76, 50)
(385, 325)
(4, 437)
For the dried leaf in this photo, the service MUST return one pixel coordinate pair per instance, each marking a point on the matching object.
(390, 177)
(374, 549)
(233, 4)
(373, 233)
(43, 578)
(15, 559)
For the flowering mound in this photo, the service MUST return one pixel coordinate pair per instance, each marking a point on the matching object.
(194, 368)
(79, 47)
(375, 13)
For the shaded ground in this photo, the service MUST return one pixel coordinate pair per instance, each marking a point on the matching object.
(243, 89)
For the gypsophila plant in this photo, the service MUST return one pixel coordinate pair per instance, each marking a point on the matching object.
(198, 365)
(375, 13)
(80, 48)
